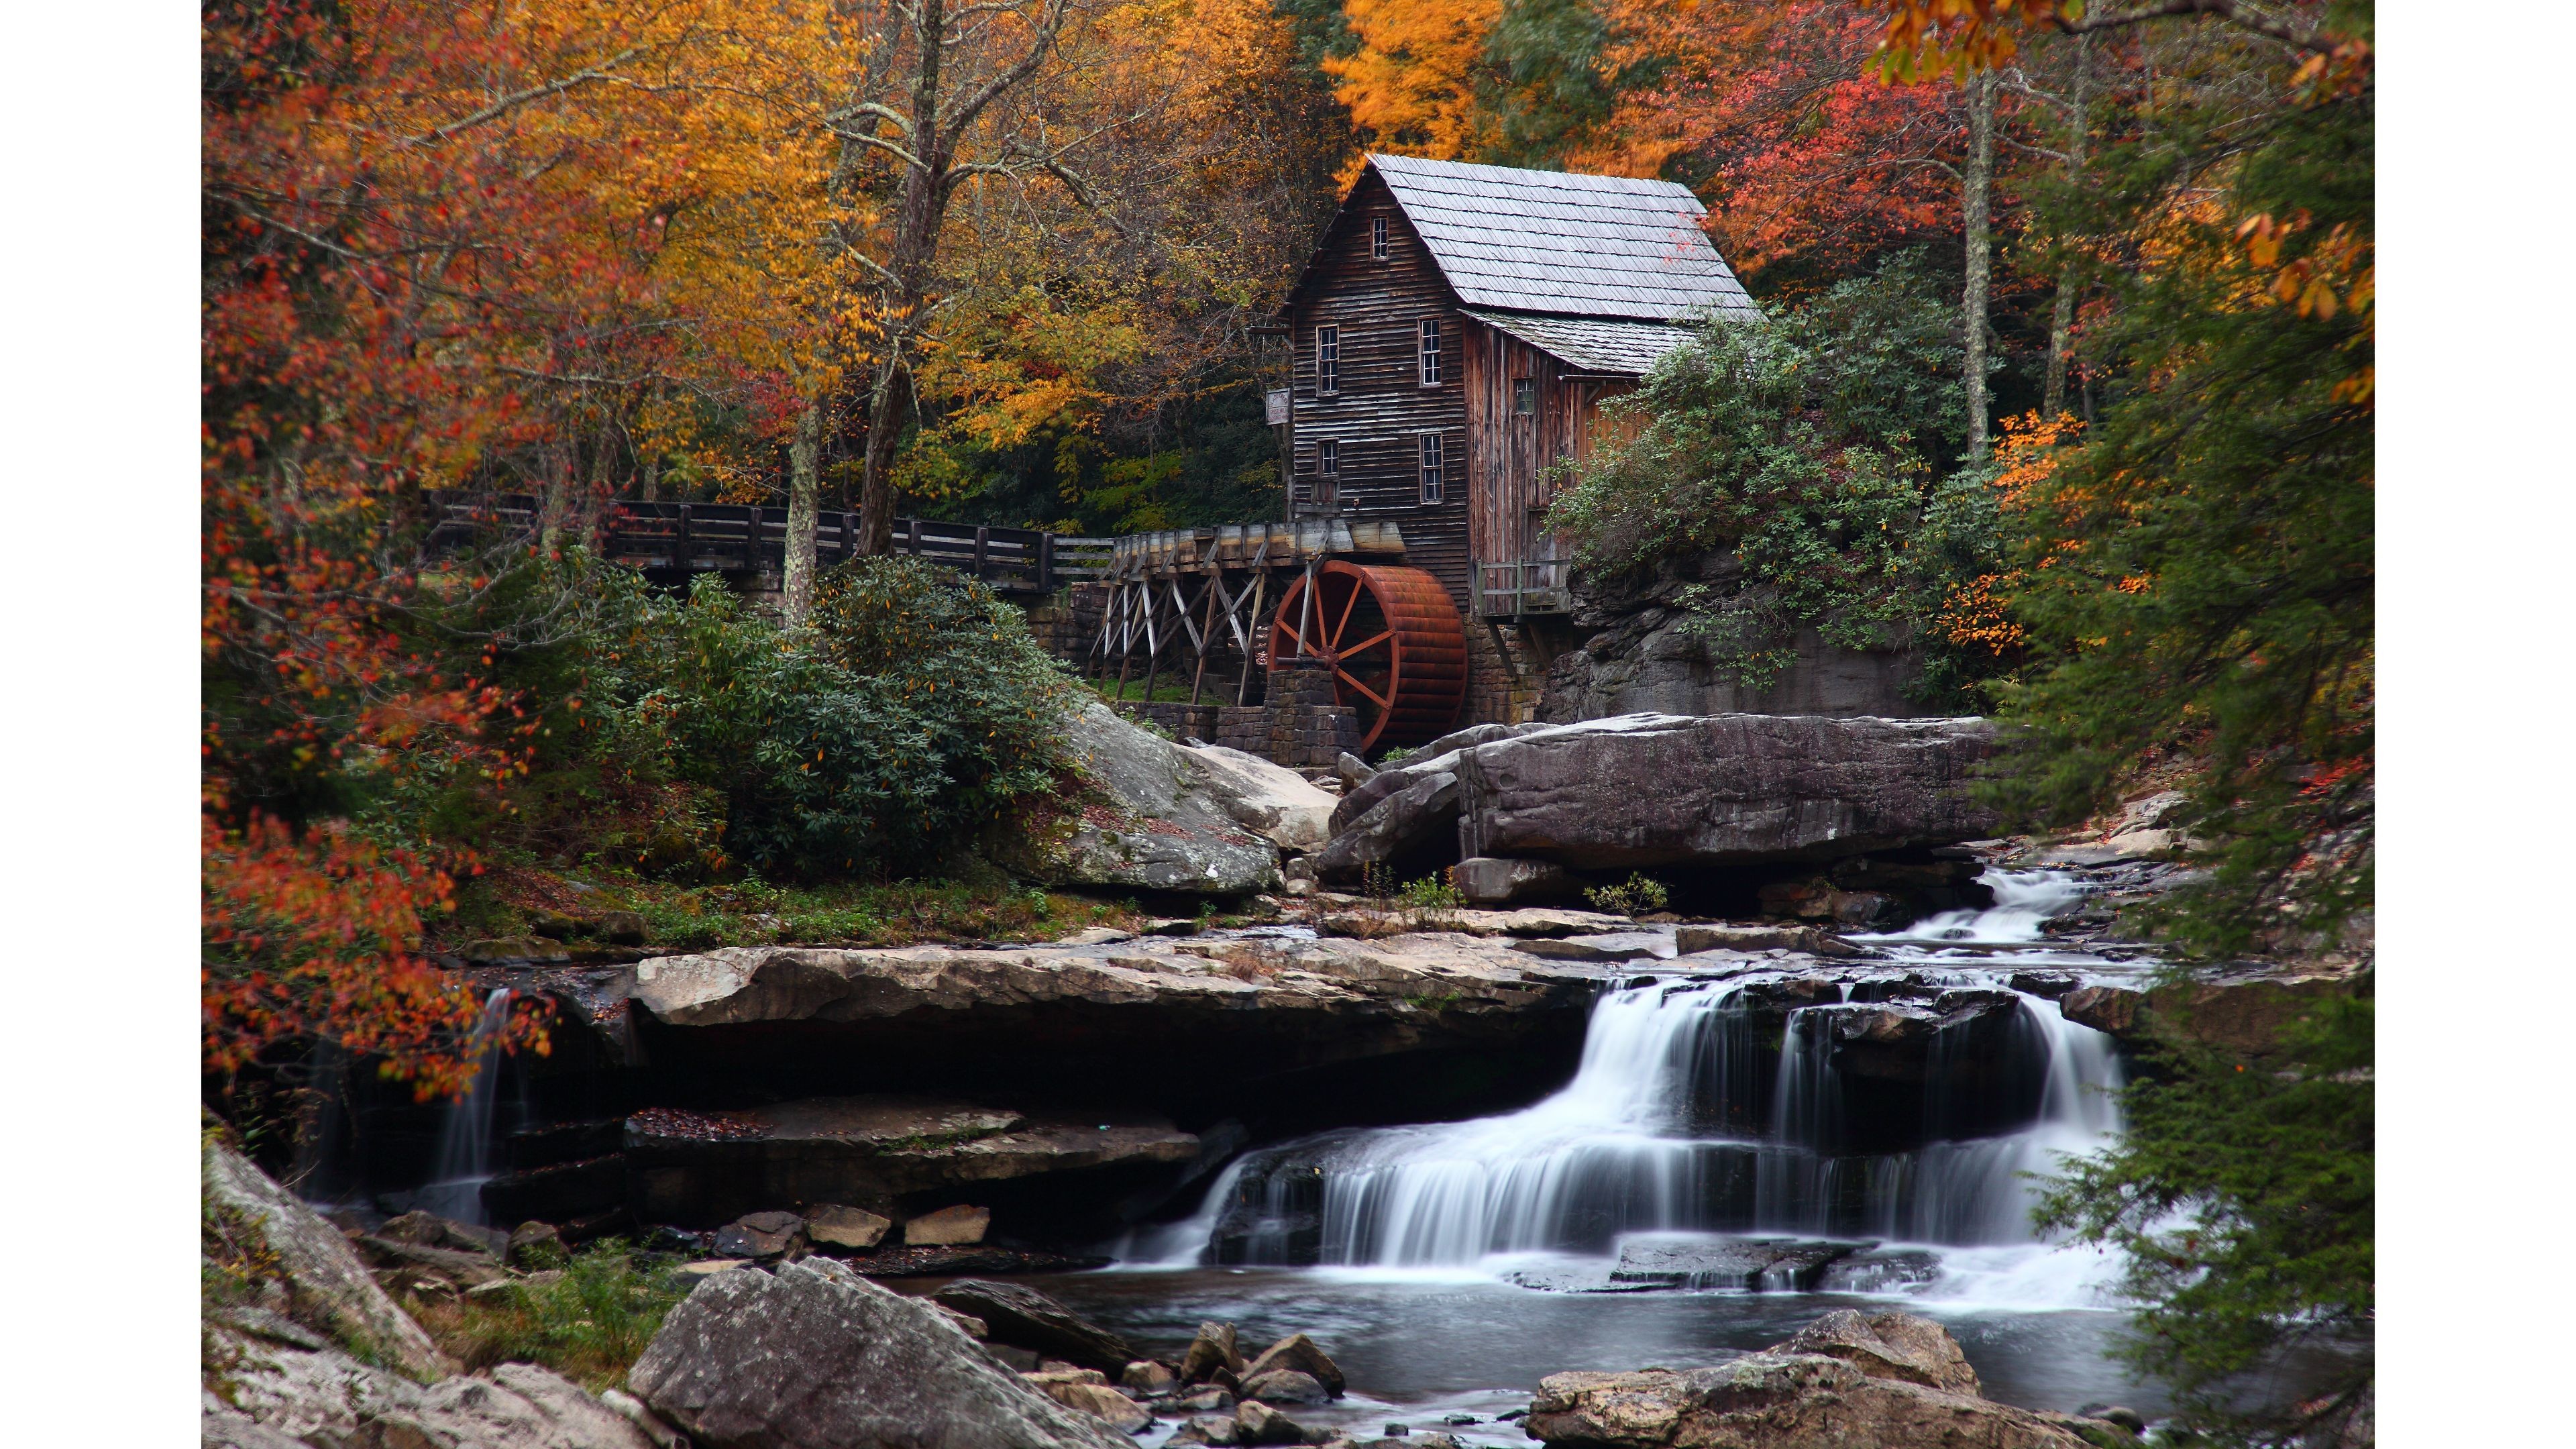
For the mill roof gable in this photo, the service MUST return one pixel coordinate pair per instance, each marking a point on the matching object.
(1565, 244)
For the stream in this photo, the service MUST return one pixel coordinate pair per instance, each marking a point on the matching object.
(1626, 1220)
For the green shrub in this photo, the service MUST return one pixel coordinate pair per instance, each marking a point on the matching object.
(1636, 896)
(913, 711)
(1803, 449)
(1432, 896)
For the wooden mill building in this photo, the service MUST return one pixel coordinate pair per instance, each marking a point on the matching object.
(1455, 335)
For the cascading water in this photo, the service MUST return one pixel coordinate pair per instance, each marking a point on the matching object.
(1905, 1103)
(465, 1138)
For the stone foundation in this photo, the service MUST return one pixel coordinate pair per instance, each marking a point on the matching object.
(1180, 721)
(1507, 666)
(1068, 622)
(1308, 731)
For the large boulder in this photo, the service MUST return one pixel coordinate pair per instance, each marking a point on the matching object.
(1147, 820)
(1025, 1318)
(1730, 789)
(275, 1238)
(1403, 830)
(1890, 1381)
(816, 1357)
(1272, 801)
(268, 1394)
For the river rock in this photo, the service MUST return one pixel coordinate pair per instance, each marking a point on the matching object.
(1145, 1376)
(1205, 1429)
(1213, 1349)
(430, 1230)
(1024, 1316)
(1491, 880)
(1296, 1352)
(836, 1225)
(1101, 1402)
(1150, 821)
(1284, 1386)
(1747, 1264)
(1890, 1346)
(1730, 789)
(949, 1227)
(467, 1269)
(1408, 829)
(761, 1235)
(1258, 1423)
(1865, 1391)
(325, 1286)
(817, 1357)
(1272, 801)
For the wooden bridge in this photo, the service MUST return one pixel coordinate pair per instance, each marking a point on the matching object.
(742, 538)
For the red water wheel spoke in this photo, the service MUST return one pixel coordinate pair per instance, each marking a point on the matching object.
(1408, 688)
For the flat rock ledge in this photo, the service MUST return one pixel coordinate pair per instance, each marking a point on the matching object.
(1331, 976)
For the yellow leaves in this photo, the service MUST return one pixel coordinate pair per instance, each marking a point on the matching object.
(1412, 82)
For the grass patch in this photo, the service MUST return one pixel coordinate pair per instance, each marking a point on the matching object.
(590, 1324)
(752, 912)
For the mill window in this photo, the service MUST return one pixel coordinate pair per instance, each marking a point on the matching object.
(1328, 361)
(1433, 472)
(1328, 469)
(1430, 352)
(1525, 396)
(1377, 237)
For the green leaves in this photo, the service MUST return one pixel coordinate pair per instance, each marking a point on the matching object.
(911, 713)
(1803, 450)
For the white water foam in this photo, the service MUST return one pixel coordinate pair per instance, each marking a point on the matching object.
(1657, 1133)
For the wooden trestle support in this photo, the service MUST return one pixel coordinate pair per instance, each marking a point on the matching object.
(1328, 590)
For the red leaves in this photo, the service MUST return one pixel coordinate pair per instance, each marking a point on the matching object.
(315, 938)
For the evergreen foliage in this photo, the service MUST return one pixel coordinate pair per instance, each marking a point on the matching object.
(1806, 449)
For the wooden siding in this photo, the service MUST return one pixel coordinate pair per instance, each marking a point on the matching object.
(1381, 406)
(1510, 454)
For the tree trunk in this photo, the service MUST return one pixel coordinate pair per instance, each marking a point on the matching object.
(2061, 320)
(888, 401)
(2061, 338)
(557, 500)
(652, 486)
(804, 493)
(1977, 184)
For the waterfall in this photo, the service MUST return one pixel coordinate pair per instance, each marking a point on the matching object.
(465, 1138)
(1725, 1106)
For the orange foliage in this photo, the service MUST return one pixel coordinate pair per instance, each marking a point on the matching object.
(1411, 86)
(1978, 614)
(316, 938)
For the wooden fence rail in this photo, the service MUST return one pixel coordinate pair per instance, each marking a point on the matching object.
(744, 538)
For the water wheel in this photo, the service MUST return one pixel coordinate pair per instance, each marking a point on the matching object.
(1393, 640)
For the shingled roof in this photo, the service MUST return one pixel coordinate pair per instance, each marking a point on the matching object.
(1563, 243)
(1593, 344)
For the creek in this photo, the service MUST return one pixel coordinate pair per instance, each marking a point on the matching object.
(1744, 1146)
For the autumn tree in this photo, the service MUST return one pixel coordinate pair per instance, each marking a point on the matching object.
(2192, 579)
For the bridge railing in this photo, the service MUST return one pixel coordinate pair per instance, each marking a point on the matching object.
(748, 538)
